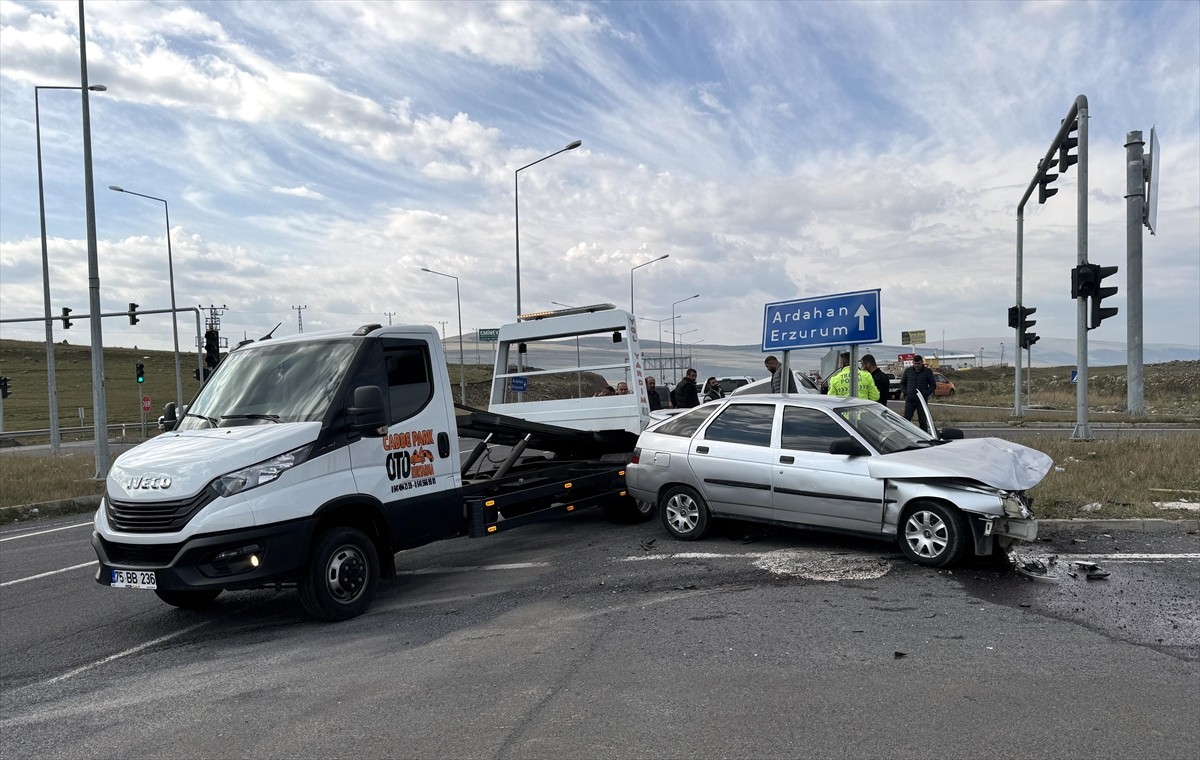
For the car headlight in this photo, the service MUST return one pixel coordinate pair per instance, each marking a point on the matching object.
(260, 474)
(1017, 505)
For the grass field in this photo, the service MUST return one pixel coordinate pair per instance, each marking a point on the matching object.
(1125, 477)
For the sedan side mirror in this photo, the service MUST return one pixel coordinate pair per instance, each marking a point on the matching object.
(952, 434)
(848, 447)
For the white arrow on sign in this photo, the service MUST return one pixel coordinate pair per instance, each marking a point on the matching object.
(862, 315)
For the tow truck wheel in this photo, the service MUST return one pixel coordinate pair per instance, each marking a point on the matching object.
(933, 534)
(684, 513)
(188, 599)
(342, 571)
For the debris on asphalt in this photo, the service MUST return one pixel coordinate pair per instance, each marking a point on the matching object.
(898, 655)
(1035, 569)
(1088, 566)
(1098, 575)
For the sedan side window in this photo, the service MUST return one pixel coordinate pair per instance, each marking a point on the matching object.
(743, 423)
(687, 423)
(810, 430)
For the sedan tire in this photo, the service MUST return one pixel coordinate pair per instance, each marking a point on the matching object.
(685, 514)
(933, 534)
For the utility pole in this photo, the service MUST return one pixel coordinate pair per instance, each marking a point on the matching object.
(300, 317)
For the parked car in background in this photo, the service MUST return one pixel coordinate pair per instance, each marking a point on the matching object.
(830, 463)
(730, 384)
(944, 386)
(804, 384)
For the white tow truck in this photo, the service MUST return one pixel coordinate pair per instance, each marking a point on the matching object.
(309, 461)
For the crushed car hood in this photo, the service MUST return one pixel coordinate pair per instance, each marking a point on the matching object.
(992, 461)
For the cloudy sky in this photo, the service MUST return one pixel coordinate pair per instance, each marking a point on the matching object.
(319, 154)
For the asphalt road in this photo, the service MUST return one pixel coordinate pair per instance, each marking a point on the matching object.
(577, 638)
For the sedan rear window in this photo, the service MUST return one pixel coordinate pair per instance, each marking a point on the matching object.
(687, 423)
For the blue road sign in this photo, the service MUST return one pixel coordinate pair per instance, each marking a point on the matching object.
(835, 320)
(1074, 376)
(519, 384)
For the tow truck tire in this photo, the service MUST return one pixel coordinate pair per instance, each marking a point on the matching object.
(342, 572)
(933, 534)
(684, 514)
(630, 511)
(188, 599)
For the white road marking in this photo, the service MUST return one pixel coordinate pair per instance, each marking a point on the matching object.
(48, 530)
(52, 572)
(1130, 557)
(471, 568)
(119, 655)
(813, 565)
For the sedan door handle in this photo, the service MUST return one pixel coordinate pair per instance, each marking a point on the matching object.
(701, 449)
(787, 460)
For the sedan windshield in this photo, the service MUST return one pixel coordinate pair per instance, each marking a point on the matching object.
(267, 385)
(885, 430)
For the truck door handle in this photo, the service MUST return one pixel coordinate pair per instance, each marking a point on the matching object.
(701, 449)
(443, 440)
(787, 460)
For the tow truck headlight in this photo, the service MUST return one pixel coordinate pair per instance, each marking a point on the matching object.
(260, 474)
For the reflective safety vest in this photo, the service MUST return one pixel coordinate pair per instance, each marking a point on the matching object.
(839, 384)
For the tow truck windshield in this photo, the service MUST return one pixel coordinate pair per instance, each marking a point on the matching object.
(270, 384)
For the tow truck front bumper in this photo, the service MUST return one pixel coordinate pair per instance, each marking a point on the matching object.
(241, 559)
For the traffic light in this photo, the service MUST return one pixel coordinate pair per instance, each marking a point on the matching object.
(1027, 338)
(66, 322)
(1099, 313)
(4, 387)
(1084, 281)
(1014, 317)
(212, 348)
(141, 373)
(1044, 189)
(133, 318)
(201, 373)
(1065, 159)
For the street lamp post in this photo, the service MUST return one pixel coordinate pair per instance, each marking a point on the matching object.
(674, 361)
(679, 336)
(660, 321)
(171, 278)
(517, 211)
(639, 266)
(462, 372)
(51, 381)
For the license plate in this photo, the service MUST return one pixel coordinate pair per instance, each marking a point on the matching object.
(134, 579)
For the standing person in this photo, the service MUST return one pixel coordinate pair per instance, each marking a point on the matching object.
(882, 381)
(652, 393)
(773, 366)
(712, 390)
(917, 379)
(839, 382)
(684, 394)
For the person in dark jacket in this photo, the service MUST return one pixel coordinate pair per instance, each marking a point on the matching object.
(652, 392)
(712, 390)
(685, 395)
(917, 379)
(882, 381)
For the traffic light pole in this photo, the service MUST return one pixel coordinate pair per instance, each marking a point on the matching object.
(1077, 118)
(194, 309)
(1135, 198)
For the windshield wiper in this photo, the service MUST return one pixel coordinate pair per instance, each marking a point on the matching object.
(271, 417)
(210, 420)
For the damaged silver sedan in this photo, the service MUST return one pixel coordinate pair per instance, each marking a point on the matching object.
(837, 464)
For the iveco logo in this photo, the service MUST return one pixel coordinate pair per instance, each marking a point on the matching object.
(148, 482)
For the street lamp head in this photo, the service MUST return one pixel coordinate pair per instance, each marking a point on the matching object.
(426, 269)
(574, 145)
(116, 188)
(98, 88)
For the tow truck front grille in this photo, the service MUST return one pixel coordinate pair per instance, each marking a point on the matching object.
(140, 555)
(155, 516)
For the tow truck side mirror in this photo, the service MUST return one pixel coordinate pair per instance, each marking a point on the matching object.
(169, 418)
(367, 415)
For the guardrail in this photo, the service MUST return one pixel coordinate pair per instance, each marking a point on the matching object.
(120, 427)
